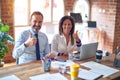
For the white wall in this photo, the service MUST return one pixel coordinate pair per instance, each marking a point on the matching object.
(50, 30)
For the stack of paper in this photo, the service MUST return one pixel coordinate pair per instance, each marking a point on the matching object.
(87, 75)
(96, 71)
(99, 68)
(47, 76)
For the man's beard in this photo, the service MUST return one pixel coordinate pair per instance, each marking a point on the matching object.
(35, 30)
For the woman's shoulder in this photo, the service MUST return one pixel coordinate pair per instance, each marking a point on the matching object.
(57, 35)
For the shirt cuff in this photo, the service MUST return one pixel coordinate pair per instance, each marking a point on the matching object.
(78, 43)
(60, 54)
(25, 45)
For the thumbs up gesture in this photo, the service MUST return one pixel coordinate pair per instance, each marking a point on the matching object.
(75, 36)
(31, 41)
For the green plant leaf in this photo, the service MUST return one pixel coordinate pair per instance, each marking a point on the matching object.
(4, 39)
(5, 28)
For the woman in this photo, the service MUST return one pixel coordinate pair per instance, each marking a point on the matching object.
(66, 41)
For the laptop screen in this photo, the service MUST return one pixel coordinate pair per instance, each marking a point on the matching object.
(88, 50)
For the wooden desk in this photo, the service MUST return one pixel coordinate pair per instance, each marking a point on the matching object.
(24, 71)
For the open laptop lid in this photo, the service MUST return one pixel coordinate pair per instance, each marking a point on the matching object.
(88, 50)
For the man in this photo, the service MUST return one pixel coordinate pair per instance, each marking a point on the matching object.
(25, 46)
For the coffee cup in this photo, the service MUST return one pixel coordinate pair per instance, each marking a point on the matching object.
(107, 56)
(99, 55)
(74, 71)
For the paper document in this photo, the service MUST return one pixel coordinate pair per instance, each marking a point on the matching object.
(40, 77)
(87, 75)
(100, 68)
(47, 76)
(55, 64)
(11, 77)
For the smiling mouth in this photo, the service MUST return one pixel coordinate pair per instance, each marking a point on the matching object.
(34, 30)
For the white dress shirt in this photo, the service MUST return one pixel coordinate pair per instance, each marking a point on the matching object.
(59, 45)
(28, 54)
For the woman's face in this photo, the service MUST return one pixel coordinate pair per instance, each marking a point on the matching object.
(67, 26)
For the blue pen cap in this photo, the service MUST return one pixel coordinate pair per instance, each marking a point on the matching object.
(51, 59)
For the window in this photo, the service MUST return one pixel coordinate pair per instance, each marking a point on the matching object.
(49, 8)
(21, 12)
(82, 6)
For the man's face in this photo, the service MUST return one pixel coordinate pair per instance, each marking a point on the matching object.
(36, 22)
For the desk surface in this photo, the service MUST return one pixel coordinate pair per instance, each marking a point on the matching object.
(24, 71)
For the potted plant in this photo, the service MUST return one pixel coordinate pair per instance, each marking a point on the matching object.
(5, 39)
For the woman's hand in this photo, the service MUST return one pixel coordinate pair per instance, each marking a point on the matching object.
(76, 37)
(50, 55)
(65, 54)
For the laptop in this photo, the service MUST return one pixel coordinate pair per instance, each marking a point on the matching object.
(88, 50)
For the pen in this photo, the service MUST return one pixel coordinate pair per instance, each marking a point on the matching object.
(51, 59)
(99, 77)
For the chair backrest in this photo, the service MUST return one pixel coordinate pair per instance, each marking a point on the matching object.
(17, 61)
(50, 46)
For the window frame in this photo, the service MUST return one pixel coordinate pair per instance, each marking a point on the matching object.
(44, 23)
(87, 6)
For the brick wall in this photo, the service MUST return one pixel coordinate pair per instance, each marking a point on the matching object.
(117, 26)
(7, 18)
(104, 12)
(68, 5)
(0, 9)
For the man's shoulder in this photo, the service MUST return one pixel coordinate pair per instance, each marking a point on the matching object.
(25, 31)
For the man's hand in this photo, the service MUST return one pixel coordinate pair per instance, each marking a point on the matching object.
(31, 41)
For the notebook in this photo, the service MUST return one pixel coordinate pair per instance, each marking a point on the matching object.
(88, 50)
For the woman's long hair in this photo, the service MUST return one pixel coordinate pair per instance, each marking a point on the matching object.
(72, 29)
